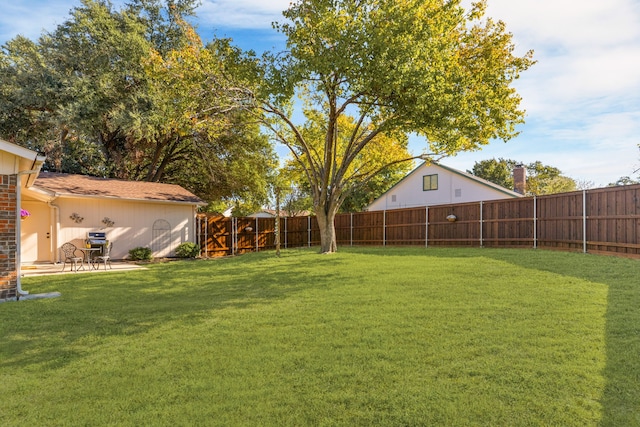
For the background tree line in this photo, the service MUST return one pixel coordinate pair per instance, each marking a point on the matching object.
(95, 95)
(134, 94)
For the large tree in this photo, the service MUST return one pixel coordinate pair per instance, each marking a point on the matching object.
(386, 154)
(397, 66)
(133, 94)
(541, 179)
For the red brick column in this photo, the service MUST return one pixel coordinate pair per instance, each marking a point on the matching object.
(8, 244)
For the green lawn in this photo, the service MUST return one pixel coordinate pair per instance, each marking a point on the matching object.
(392, 337)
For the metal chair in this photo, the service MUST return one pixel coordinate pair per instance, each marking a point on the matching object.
(105, 258)
(69, 251)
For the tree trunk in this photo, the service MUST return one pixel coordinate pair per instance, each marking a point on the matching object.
(327, 231)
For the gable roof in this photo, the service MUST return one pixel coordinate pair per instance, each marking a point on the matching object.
(61, 184)
(28, 160)
(474, 178)
(480, 180)
(19, 151)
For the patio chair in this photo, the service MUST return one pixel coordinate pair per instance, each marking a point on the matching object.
(69, 251)
(105, 258)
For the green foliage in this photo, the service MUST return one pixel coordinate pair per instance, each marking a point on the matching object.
(187, 250)
(541, 179)
(369, 336)
(134, 94)
(624, 180)
(627, 180)
(140, 254)
(388, 68)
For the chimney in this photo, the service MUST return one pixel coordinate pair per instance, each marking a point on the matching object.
(520, 179)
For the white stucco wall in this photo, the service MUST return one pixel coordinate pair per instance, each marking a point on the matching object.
(452, 188)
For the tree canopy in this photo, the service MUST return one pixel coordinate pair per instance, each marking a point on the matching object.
(541, 179)
(394, 66)
(133, 94)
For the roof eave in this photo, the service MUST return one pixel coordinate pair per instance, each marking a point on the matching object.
(57, 195)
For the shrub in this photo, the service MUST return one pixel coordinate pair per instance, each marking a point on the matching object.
(187, 250)
(140, 254)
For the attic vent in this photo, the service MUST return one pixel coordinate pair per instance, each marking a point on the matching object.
(161, 238)
(458, 192)
(393, 198)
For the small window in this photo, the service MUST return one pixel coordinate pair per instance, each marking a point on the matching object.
(430, 182)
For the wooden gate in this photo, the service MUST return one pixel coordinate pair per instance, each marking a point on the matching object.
(215, 235)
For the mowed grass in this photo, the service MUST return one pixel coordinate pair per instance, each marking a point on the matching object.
(392, 337)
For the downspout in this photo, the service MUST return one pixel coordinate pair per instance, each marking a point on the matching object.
(19, 289)
(55, 231)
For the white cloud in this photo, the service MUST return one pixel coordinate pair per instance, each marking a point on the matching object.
(31, 18)
(253, 14)
(570, 23)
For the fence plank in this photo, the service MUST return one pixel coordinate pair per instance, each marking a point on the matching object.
(605, 220)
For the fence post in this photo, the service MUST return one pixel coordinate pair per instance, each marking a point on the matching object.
(206, 239)
(426, 227)
(234, 235)
(236, 239)
(584, 221)
(481, 225)
(257, 237)
(351, 231)
(286, 232)
(384, 228)
(309, 231)
(535, 222)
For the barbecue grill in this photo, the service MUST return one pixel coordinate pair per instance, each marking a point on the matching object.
(97, 240)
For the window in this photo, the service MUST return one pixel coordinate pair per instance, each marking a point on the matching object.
(430, 182)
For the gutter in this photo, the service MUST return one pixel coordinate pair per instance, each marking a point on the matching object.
(19, 289)
(54, 232)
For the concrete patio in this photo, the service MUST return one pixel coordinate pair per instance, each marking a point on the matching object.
(50, 268)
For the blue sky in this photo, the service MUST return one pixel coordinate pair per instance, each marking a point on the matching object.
(582, 97)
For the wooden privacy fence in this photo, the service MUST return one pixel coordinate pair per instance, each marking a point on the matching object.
(605, 220)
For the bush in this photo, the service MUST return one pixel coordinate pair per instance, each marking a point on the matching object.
(140, 254)
(187, 250)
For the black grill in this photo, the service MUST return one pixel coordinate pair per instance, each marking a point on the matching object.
(98, 240)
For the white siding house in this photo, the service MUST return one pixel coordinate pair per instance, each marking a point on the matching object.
(64, 208)
(435, 184)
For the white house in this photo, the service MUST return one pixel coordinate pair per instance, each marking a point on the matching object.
(432, 183)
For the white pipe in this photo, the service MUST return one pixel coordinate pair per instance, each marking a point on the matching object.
(384, 228)
(426, 227)
(55, 231)
(481, 225)
(19, 229)
(584, 221)
(535, 222)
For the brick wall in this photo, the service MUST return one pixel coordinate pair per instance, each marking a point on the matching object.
(8, 244)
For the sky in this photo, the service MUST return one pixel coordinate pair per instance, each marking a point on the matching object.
(582, 97)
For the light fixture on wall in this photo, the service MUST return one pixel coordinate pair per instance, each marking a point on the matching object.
(76, 218)
(452, 218)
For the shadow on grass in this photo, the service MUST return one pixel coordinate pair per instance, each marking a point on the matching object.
(95, 307)
(621, 397)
